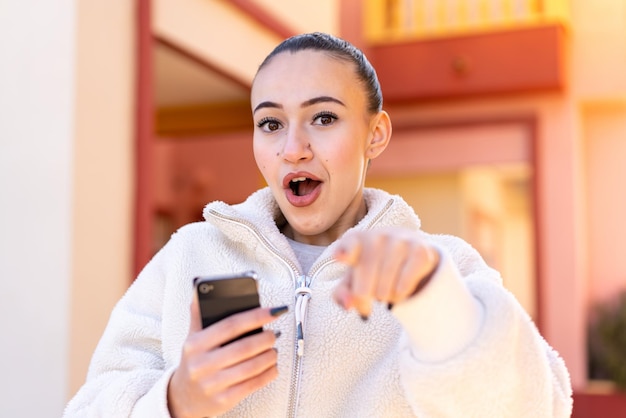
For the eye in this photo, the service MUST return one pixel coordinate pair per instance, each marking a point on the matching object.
(269, 124)
(324, 118)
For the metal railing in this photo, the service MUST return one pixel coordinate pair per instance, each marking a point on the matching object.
(391, 20)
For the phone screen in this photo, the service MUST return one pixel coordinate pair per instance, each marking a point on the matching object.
(222, 296)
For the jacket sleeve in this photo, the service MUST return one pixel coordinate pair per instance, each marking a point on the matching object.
(473, 349)
(127, 375)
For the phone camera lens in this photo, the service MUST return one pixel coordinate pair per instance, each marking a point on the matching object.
(205, 288)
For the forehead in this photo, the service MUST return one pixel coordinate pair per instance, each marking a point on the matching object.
(306, 74)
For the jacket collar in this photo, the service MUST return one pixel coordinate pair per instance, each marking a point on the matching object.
(260, 211)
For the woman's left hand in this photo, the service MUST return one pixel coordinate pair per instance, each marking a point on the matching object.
(386, 265)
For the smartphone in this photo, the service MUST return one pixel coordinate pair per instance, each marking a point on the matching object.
(222, 296)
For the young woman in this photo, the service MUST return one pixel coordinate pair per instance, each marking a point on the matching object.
(365, 315)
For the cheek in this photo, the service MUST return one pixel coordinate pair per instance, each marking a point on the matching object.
(260, 162)
(349, 155)
(260, 153)
(265, 158)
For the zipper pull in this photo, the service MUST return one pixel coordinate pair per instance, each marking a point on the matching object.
(303, 295)
(300, 336)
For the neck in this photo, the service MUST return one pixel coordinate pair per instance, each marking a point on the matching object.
(331, 234)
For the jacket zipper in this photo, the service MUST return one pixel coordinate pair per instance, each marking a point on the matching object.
(303, 292)
(303, 296)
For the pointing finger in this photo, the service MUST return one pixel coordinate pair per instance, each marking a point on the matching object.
(349, 249)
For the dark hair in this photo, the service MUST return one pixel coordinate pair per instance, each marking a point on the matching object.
(340, 49)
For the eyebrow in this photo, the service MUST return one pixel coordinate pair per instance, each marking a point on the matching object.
(310, 102)
(321, 99)
(267, 104)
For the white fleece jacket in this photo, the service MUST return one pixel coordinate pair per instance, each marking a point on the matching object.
(463, 347)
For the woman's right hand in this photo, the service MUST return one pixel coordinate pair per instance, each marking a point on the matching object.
(212, 379)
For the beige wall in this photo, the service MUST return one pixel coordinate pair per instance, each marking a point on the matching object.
(232, 41)
(103, 172)
(36, 151)
(66, 173)
(498, 206)
(605, 163)
(305, 16)
(217, 32)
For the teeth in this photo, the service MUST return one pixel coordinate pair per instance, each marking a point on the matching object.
(299, 179)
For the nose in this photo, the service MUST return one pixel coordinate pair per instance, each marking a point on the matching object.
(297, 146)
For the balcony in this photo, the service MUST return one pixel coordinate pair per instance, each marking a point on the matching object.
(437, 49)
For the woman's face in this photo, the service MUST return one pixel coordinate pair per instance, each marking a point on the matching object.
(313, 137)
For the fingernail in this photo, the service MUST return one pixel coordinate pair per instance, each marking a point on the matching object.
(339, 301)
(279, 310)
(340, 253)
(277, 334)
(347, 302)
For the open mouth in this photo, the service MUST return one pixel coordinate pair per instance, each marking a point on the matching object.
(302, 186)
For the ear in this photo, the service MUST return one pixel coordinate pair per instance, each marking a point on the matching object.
(380, 134)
